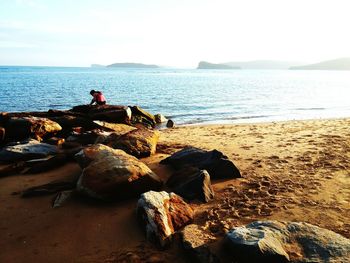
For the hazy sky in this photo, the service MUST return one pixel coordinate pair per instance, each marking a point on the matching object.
(171, 32)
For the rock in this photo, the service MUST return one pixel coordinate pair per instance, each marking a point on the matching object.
(139, 143)
(196, 243)
(109, 113)
(161, 214)
(170, 124)
(88, 137)
(118, 128)
(19, 128)
(61, 198)
(191, 183)
(275, 241)
(141, 116)
(215, 162)
(2, 134)
(27, 150)
(55, 141)
(68, 122)
(160, 118)
(110, 174)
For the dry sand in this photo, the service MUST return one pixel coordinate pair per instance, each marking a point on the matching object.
(297, 171)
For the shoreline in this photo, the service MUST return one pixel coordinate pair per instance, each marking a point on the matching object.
(262, 122)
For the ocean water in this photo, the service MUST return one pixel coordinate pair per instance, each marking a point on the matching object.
(186, 95)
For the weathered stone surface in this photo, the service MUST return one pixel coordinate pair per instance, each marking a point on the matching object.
(68, 122)
(55, 141)
(117, 128)
(276, 242)
(2, 134)
(140, 143)
(160, 118)
(161, 214)
(18, 128)
(110, 174)
(215, 162)
(27, 150)
(196, 243)
(192, 183)
(88, 137)
(109, 113)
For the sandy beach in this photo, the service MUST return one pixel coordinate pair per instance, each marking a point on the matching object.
(294, 171)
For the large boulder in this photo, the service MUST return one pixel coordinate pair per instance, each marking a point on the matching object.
(161, 214)
(110, 174)
(278, 242)
(216, 163)
(26, 150)
(19, 128)
(196, 242)
(109, 113)
(141, 142)
(192, 183)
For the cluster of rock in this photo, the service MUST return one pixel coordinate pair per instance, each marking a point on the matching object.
(108, 141)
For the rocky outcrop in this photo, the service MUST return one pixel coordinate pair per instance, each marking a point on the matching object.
(19, 128)
(196, 243)
(141, 142)
(161, 214)
(216, 163)
(192, 183)
(274, 241)
(110, 174)
(26, 150)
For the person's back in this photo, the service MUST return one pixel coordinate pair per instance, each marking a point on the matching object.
(98, 97)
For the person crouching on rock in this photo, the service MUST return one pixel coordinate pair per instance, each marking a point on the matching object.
(98, 98)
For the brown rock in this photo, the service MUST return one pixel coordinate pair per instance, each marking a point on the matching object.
(140, 143)
(110, 174)
(19, 128)
(2, 134)
(192, 183)
(161, 214)
(55, 141)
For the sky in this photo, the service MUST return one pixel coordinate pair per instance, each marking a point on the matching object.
(176, 33)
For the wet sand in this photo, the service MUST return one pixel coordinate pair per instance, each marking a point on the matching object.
(296, 171)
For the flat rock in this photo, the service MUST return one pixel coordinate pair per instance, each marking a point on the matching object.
(216, 163)
(161, 214)
(192, 183)
(111, 174)
(19, 128)
(196, 242)
(117, 128)
(31, 149)
(275, 241)
(141, 142)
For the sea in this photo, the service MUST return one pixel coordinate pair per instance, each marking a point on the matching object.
(187, 96)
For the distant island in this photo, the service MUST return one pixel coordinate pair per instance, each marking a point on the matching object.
(131, 65)
(335, 64)
(207, 65)
(254, 64)
(264, 64)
